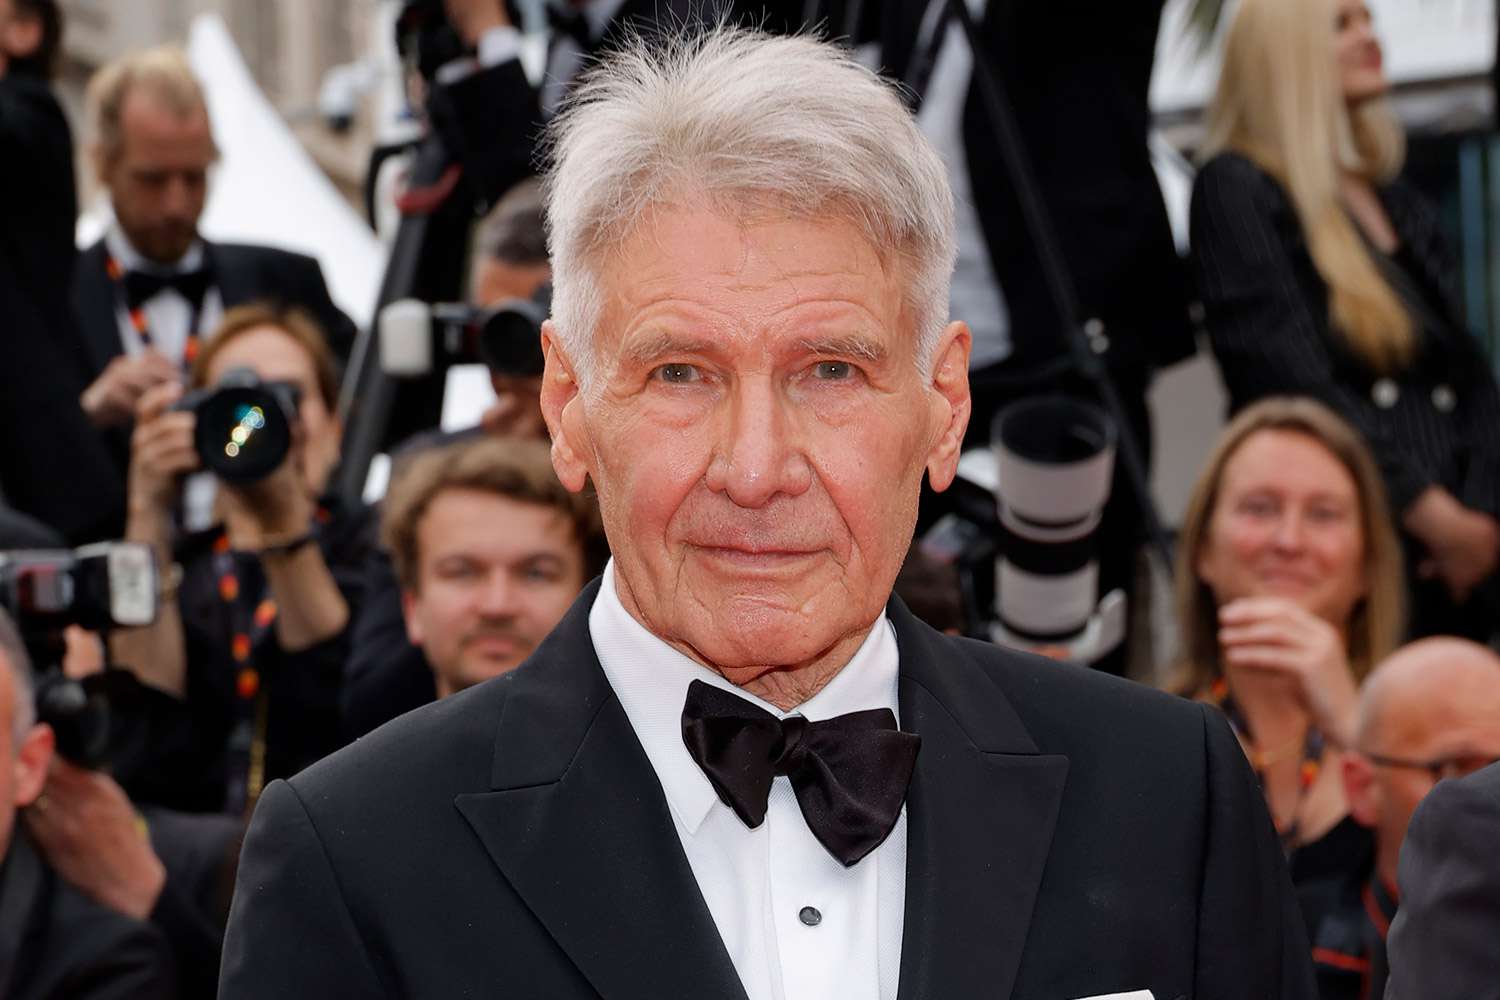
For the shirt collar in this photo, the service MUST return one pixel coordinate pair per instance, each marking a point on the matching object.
(131, 259)
(651, 679)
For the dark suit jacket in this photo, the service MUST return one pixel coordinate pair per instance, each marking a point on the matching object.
(1445, 940)
(1267, 313)
(57, 945)
(1069, 834)
(243, 274)
(1077, 73)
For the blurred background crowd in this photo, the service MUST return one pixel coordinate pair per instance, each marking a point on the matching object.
(273, 471)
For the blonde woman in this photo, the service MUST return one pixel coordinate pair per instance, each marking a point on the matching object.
(1289, 589)
(1322, 275)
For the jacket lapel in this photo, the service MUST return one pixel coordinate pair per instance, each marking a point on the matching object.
(577, 822)
(980, 814)
(94, 303)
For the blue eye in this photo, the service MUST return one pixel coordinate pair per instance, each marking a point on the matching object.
(677, 374)
(833, 371)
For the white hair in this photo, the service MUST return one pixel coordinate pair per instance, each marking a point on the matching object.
(742, 120)
(18, 665)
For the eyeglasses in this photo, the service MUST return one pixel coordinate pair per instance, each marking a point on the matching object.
(1444, 767)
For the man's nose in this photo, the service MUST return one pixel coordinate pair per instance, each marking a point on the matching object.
(497, 595)
(757, 454)
(180, 199)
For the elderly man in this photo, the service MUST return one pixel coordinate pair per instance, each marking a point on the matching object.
(697, 787)
(1431, 710)
(54, 941)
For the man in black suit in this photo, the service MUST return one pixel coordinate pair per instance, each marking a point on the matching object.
(55, 943)
(1442, 943)
(150, 289)
(697, 787)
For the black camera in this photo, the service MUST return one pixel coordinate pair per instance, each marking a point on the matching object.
(416, 339)
(244, 428)
(99, 587)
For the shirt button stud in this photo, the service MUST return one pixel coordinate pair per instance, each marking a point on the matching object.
(1385, 392)
(810, 916)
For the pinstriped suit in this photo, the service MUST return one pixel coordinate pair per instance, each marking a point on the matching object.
(1435, 423)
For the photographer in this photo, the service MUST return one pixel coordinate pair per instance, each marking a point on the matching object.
(252, 650)
(54, 941)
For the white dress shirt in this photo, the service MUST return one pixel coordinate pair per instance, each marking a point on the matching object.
(975, 295)
(758, 882)
(168, 313)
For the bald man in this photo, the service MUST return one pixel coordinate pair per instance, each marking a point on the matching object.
(1429, 711)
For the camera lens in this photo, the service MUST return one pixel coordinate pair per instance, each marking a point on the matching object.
(242, 433)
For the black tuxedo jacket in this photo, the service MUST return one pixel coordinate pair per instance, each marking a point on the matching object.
(243, 274)
(1077, 73)
(57, 945)
(1069, 835)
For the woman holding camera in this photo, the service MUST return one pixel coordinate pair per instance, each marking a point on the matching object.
(1289, 589)
(252, 647)
(1323, 275)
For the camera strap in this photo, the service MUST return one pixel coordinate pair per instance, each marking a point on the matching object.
(135, 309)
(252, 616)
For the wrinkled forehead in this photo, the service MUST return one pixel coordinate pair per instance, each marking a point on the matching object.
(743, 266)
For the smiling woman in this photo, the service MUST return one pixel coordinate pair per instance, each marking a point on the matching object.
(1289, 589)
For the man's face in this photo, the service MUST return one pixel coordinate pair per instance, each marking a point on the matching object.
(757, 430)
(494, 576)
(1453, 718)
(23, 767)
(159, 178)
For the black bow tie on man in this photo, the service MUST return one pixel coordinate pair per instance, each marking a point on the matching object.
(849, 773)
(142, 286)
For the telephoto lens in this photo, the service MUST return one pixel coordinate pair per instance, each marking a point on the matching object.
(1055, 456)
(244, 428)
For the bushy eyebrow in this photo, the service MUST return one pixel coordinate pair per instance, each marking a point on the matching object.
(666, 345)
(672, 345)
(848, 346)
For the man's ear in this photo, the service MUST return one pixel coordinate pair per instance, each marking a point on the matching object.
(414, 633)
(31, 763)
(561, 410)
(951, 403)
(1361, 790)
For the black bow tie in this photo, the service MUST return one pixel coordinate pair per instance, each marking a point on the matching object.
(849, 773)
(569, 22)
(142, 286)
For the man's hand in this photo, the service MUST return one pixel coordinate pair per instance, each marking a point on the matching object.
(1463, 545)
(1276, 636)
(94, 838)
(472, 18)
(161, 450)
(116, 393)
